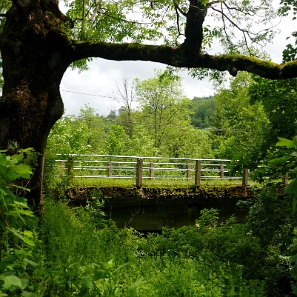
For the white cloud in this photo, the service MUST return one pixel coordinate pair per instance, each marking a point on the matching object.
(101, 79)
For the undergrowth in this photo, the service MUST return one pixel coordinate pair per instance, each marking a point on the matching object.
(79, 257)
(77, 252)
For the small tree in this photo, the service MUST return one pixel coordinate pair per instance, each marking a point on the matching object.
(163, 105)
(126, 99)
(240, 127)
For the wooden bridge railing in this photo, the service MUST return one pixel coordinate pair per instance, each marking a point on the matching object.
(139, 168)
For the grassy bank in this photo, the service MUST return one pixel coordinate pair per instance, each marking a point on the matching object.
(78, 253)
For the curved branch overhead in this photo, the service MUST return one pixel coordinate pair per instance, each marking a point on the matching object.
(188, 54)
(185, 58)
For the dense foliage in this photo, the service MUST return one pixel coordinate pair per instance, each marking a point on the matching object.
(202, 111)
(16, 242)
(159, 120)
(158, 125)
(241, 126)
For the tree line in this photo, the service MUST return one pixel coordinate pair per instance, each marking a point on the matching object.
(241, 121)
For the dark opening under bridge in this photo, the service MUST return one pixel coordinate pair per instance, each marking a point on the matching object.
(147, 207)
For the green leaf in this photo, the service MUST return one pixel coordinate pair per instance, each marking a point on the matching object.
(3, 160)
(285, 142)
(87, 283)
(21, 201)
(292, 187)
(28, 233)
(278, 161)
(293, 258)
(27, 294)
(25, 238)
(110, 264)
(24, 282)
(26, 212)
(30, 262)
(12, 280)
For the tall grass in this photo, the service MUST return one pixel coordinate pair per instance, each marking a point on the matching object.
(82, 257)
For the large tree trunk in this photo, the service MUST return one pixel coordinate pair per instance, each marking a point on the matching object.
(34, 61)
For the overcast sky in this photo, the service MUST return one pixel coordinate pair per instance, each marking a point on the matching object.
(97, 86)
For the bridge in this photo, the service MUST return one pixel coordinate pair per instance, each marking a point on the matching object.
(146, 206)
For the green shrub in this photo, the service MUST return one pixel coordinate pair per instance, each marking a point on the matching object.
(16, 242)
(83, 259)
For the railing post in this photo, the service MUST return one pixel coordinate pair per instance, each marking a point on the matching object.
(188, 170)
(109, 169)
(245, 177)
(139, 166)
(245, 180)
(222, 174)
(70, 167)
(63, 167)
(198, 173)
(152, 170)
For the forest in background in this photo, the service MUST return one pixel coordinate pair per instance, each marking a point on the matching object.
(242, 121)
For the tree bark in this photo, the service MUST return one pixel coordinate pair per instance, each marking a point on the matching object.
(194, 28)
(34, 61)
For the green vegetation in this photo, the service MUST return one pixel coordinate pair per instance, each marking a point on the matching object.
(148, 183)
(160, 125)
(202, 112)
(94, 260)
(16, 242)
(78, 252)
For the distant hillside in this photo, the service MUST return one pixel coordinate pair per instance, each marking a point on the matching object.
(203, 110)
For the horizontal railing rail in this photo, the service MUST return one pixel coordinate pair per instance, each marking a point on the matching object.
(143, 167)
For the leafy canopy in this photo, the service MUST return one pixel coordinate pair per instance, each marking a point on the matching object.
(235, 25)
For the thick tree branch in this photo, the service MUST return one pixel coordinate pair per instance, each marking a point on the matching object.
(194, 26)
(181, 57)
